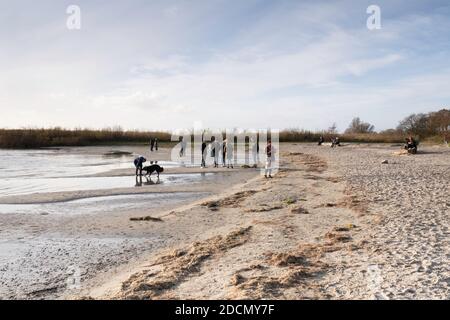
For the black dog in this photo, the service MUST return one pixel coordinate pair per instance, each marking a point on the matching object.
(153, 168)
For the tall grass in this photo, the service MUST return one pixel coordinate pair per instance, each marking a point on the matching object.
(56, 137)
(296, 135)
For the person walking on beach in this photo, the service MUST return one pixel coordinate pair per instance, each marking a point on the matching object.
(203, 154)
(152, 144)
(270, 157)
(255, 151)
(224, 152)
(229, 153)
(156, 144)
(215, 152)
(182, 147)
(138, 164)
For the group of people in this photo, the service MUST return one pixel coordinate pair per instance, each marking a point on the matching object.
(224, 151)
(335, 141)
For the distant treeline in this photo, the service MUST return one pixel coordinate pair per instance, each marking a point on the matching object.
(57, 137)
(295, 135)
(433, 126)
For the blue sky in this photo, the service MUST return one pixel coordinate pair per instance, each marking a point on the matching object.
(250, 64)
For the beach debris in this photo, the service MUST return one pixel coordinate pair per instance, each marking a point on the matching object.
(175, 268)
(336, 237)
(287, 270)
(299, 210)
(264, 208)
(290, 200)
(147, 218)
(334, 179)
(236, 279)
(232, 201)
(284, 259)
(384, 162)
(212, 205)
(313, 163)
(117, 153)
(344, 228)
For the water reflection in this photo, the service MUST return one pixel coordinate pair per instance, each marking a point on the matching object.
(148, 181)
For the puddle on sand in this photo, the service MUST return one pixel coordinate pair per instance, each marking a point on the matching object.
(18, 186)
(103, 204)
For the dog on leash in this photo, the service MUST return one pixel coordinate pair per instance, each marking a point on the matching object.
(153, 168)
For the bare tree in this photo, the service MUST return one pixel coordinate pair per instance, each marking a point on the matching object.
(416, 124)
(332, 129)
(359, 126)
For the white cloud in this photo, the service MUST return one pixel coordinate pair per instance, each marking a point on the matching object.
(290, 64)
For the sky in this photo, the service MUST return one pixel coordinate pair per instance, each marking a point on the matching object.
(163, 65)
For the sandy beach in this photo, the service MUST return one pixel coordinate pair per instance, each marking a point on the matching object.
(332, 224)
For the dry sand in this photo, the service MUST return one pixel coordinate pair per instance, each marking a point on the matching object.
(333, 224)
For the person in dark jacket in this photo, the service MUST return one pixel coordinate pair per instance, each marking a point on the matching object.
(152, 144)
(203, 154)
(138, 164)
(321, 140)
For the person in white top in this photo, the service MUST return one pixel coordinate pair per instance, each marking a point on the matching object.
(270, 158)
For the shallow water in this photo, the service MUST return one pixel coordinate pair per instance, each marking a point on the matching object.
(25, 172)
(22, 186)
(101, 204)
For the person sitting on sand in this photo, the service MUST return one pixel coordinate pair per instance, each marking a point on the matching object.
(335, 142)
(270, 157)
(138, 164)
(411, 145)
(321, 140)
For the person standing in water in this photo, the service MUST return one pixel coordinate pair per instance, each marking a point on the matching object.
(138, 164)
(270, 157)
